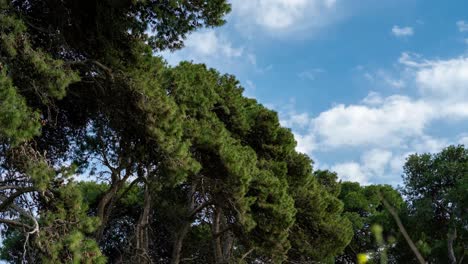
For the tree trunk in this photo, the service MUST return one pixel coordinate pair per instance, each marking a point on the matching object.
(228, 243)
(182, 232)
(142, 236)
(177, 248)
(218, 250)
(451, 236)
(104, 209)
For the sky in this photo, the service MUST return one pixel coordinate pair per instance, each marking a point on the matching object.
(361, 83)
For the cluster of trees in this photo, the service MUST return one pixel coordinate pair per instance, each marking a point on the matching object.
(109, 155)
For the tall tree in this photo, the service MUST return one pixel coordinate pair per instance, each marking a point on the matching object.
(436, 187)
(72, 75)
(174, 155)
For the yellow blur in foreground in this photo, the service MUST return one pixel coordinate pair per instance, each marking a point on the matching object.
(362, 258)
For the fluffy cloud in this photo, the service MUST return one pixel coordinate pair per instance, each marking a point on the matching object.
(207, 43)
(350, 171)
(373, 164)
(395, 119)
(442, 83)
(385, 130)
(379, 121)
(282, 15)
(305, 143)
(447, 79)
(402, 31)
(376, 161)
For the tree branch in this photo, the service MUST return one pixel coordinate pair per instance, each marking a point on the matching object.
(199, 208)
(7, 202)
(403, 231)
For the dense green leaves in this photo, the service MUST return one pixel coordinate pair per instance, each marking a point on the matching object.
(107, 154)
(436, 187)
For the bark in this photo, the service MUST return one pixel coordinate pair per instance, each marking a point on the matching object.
(227, 240)
(10, 200)
(451, 236)
(228, 243)
(105, 205)
(103, 210)
(218, 250)
(185, 227)
(178, 243)
(142, 236)
(182, 232)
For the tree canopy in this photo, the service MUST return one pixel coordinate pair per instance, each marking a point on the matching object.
(110, 155)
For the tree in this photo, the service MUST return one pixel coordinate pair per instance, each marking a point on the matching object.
(172, 155)
(435, 185)
(364, 208)
(65, 67)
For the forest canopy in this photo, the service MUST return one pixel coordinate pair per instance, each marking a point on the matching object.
(110, 155)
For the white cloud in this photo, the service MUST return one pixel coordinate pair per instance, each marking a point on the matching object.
(444, 79)
(390, 121)
(442, 83)
(373, 164)
(402, 31)
(282, 15)
(350, 171)
(305, 144)
(373, 98)
(463, 139)
(397, 162)
(462, 26)
(428, 144)
(301, 120)
(385, 130)
(208, 43)
(205, 47)
(376, 160)
(381, 77)
(397, 118)
(410, 60)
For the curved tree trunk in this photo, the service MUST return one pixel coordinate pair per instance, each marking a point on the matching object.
(178, 243)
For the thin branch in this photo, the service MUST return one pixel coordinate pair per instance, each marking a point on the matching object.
(128, 188)
(199, 208)
(96, 63)
(245, 255)
(403, 231)
(7, 202)
(15, 223)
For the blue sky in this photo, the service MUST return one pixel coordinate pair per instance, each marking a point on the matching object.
(361, 83)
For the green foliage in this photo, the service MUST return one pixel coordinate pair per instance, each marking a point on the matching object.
(64, 227)
(321, 233)
(364, 208)
(436, 185)
(17, 122)
(180, 165)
